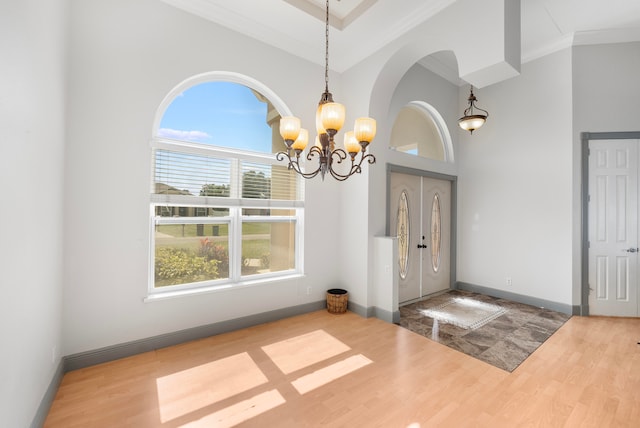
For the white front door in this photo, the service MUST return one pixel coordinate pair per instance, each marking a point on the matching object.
(436, 220)
(420, 216)
(613, 227)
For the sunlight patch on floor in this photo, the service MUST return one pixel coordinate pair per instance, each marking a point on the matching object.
(240, 412)
(305, 350)
(192, 389)
(465, 312)
(330, 373)
(188, 394)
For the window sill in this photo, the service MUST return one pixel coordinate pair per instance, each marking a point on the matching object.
(164, 295)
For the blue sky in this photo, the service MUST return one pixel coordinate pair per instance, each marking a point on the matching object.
(218, 113)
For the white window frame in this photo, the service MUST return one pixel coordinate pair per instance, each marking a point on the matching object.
(234, 202)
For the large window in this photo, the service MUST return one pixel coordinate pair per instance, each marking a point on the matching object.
(223, 211)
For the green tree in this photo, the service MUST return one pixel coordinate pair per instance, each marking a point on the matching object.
(256, 185)
(215, 190)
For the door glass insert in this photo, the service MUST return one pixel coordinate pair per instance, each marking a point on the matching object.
(436, 240)
(402, 232)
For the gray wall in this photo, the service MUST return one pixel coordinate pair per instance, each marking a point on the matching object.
(32, 115)
(606, 90)
(515, 188)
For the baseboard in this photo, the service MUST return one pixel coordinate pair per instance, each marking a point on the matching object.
(375, 312)
(520, 298)
(49, 395)
(388, 316)
(363, 311)
(110, 353)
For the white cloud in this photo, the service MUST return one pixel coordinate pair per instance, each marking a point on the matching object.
(178, 134)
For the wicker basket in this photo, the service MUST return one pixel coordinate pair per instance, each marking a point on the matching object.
(337, 300)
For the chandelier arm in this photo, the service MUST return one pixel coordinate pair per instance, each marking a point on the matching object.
(357, 168)
(313, 152)
(341, 154)
(354, 169)
(337, 176)
(295, 165)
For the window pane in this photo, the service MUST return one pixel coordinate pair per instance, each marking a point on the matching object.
(265, 181)
(402, 232)
(187, 253)
(267, 247)
(416, 132)
(436, 221)
(268, 212)
(223, 114)
(171, 211)
(191, 174)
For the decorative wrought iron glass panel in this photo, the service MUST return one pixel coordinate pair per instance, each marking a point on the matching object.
(402, 232)
(436, 239)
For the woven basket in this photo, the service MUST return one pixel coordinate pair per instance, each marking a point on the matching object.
(337, 300)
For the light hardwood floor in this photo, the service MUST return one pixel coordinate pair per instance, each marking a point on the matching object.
(323, 369)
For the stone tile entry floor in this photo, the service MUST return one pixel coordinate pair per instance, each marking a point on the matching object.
(504, 342)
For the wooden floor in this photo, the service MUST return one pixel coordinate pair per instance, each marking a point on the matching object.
(323, 369)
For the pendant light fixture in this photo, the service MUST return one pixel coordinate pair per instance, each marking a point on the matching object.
(329, 120)
(472, 120)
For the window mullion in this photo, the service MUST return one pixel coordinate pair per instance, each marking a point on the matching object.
(235, 244)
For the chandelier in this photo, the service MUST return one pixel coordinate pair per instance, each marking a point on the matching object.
(329, 120)
(471, 119)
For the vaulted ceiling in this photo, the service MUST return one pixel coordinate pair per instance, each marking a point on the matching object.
(360, 27)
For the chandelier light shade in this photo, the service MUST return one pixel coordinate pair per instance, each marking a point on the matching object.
(330, 117)
(474, 117)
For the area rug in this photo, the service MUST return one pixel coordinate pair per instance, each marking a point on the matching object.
(465, 312)
(504, 341)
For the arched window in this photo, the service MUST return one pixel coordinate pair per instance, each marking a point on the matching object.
(223, 210)
(421, 131)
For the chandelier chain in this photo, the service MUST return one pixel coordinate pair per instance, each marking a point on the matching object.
(326, 51)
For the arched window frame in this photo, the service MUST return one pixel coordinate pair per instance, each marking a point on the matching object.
(432, 113)
(235, 203)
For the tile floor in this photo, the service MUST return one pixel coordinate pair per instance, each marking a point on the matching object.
(504, 342)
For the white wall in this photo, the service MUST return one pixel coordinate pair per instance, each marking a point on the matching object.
(372, 84)
(124, 58)
(32, 110)
(420, 84)
(606, 90)
(515, 184)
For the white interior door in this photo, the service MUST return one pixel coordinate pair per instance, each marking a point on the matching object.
(613, 227)
(420, 216)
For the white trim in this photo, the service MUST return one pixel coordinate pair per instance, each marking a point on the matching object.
(192, 291)
(218, 76)
(235, 203)
(221, 202)
(208, 150)
(441, 125)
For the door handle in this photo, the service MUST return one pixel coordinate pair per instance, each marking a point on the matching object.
(632, 250)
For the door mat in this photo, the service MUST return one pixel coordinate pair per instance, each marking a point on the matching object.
(465, 312)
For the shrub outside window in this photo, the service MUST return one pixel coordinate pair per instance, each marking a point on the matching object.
(222, 213)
